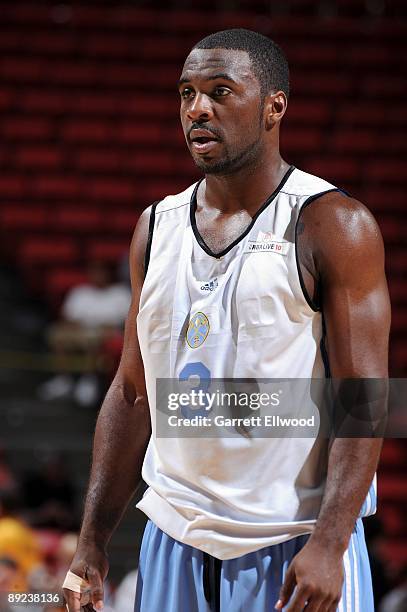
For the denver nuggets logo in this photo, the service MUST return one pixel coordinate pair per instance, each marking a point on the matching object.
(198, 329)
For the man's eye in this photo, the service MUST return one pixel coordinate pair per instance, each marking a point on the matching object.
(185, 93)
(221, 91)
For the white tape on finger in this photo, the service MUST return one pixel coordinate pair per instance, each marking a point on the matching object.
(75, 583)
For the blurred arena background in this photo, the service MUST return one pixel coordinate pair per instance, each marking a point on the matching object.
(90, 136)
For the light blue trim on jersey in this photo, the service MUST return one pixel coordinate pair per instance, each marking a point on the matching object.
(170, 577)
(369, 506)
(357, 592)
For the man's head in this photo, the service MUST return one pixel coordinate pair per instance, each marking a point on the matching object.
(267, 59)
(99, 274)
(234, 88)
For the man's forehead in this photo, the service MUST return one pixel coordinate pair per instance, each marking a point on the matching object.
(204, 62)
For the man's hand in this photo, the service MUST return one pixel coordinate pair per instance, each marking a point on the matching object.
(91, 564)
(316, 574)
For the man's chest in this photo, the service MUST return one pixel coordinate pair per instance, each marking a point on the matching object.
(219, 230)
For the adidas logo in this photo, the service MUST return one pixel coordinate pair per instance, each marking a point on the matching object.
(211, 286)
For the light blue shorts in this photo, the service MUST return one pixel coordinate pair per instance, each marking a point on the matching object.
(175, 577)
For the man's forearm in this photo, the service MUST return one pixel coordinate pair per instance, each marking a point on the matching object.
(351, 468)
(121, 437)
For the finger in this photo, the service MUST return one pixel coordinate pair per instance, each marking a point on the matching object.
(299, 600)
(334, 606)
(86, 598)
(315, 604)
(73, 601)
(328, 604)
(96, 588)
(287, 588)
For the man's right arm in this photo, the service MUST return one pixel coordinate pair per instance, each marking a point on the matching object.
(122, 433)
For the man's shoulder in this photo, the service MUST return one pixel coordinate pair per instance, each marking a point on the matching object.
(304, 185)
(340, 227)
(175, 201)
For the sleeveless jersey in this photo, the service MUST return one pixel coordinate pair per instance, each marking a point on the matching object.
(229, 496)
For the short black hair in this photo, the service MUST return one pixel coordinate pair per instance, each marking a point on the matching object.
(268, 60)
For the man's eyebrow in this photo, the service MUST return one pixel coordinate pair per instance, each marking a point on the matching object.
(213, 77)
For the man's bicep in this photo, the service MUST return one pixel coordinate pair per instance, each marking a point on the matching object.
(355, 297)
(357, 331)
(131, 369)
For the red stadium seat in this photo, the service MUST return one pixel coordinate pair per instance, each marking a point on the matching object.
(107, 251)
(391, 199)
(6, 98)
(27, 128)
(386, 170)
(79, 219)
(309, 140)
(393, 229)
(398, 291)
(392, 488)
(112, 189)
(87, 130)
(100, 159)
(48, 251)
(335, 169)
(304, 111)
(19, 217)
(123, 221)
(355, 141)
(47, 157)
(394, 552)
(399, 320)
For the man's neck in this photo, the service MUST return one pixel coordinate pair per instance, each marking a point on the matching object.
(244, 190)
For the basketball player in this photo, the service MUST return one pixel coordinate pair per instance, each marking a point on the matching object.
(241, 524)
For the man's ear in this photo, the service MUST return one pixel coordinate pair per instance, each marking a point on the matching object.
(275, 107)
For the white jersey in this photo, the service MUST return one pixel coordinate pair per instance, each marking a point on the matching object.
(229, 496)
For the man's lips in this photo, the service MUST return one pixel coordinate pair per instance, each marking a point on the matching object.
(204, 147)
(202, 141)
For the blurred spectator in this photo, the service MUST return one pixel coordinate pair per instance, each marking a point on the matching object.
(9, 581)
(49, 495)
(50, 576)
(18, 542)
(8, 574)
(64, 556)
(91, 313)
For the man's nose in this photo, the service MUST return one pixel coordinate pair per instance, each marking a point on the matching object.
(200, 108)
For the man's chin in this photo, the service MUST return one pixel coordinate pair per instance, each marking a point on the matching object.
(213, 166)
(229, 164)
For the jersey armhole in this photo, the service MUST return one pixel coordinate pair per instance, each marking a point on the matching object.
(315, 307)
(150, 236)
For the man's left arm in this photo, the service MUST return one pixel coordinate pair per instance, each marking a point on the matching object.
(346, 256)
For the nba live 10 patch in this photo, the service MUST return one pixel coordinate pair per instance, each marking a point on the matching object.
(267, 242)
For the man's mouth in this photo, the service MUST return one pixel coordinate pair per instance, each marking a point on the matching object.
(202, 141)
